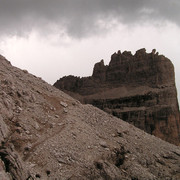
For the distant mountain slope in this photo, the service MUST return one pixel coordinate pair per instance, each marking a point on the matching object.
(139, 89)
(46, 134)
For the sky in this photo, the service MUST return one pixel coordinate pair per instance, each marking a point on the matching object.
(54, 38)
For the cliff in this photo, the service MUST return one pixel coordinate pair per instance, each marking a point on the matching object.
(139, 89)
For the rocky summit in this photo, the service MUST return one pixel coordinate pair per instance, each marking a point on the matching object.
(45, 134)
(139, 89)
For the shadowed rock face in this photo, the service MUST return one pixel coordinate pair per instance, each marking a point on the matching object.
(46, 134)
(139, 89)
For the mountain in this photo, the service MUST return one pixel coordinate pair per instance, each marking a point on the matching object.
(46, 134)
(140, 89)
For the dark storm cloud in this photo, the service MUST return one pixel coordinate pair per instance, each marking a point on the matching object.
(81, 17)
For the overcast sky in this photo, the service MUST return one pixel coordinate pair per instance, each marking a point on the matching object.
(53, 38)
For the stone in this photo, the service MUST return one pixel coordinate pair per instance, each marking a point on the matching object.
(7, 103)
(139, 89)
(25, 71)
(18, 109)
(103, 144)
(63, 104)
(4, 130)
(33, 98)
(3, 174)
(36, 125)
(65, 110)
(99, 71)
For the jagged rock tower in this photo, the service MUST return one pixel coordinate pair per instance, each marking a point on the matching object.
(139, 89)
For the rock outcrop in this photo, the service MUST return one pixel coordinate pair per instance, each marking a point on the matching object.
(46, 134)
(139, 89)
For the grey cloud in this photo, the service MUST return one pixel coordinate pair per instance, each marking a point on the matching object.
(80, 17)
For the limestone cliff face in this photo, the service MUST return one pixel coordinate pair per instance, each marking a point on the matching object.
(139, 89)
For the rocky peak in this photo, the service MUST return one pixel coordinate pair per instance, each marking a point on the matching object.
(99, 71)
(153, 51)
(127, 53)
(137, 88)
(140, 53)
